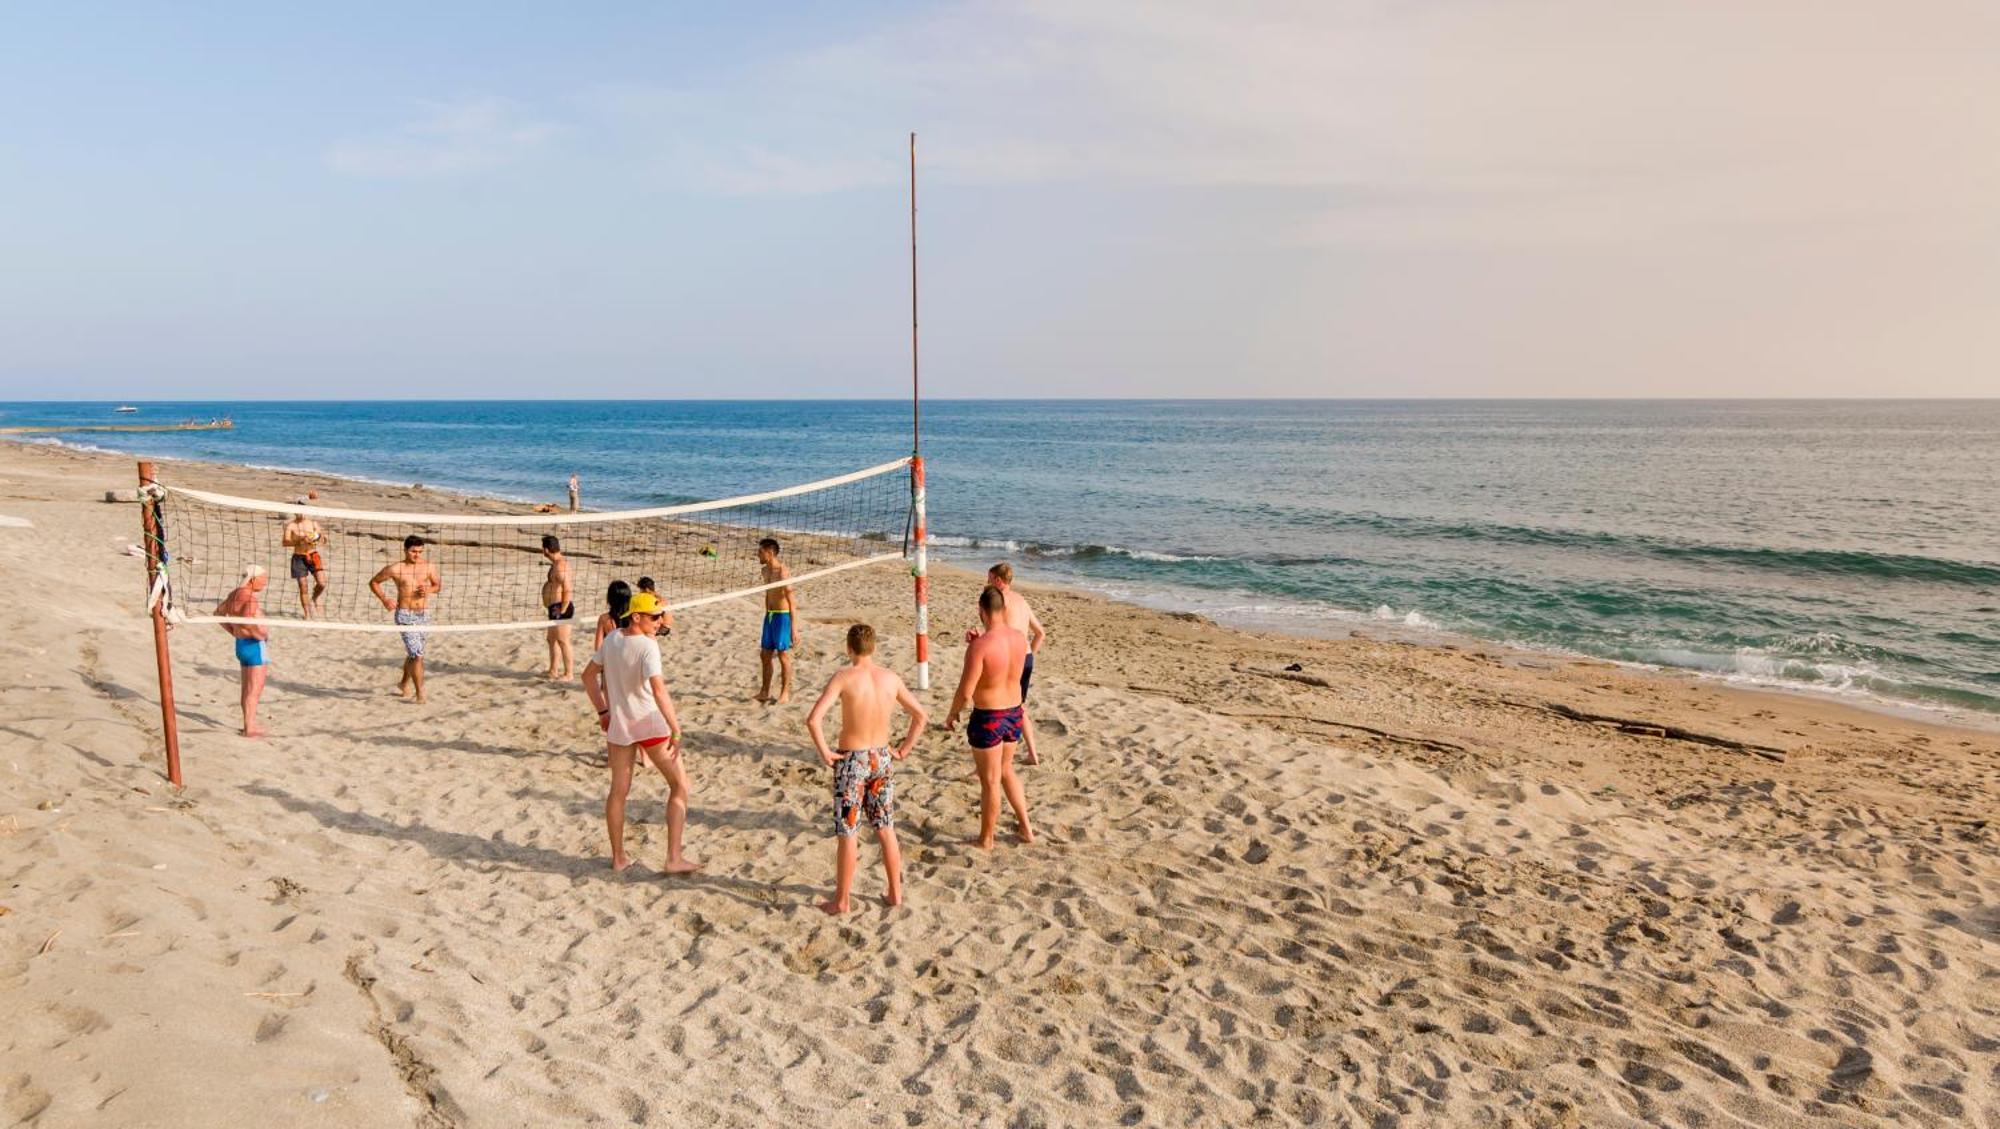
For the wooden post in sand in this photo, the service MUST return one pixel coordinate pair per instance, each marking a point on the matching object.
(149, 519)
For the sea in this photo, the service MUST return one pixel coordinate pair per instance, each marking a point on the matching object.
(1847, 547)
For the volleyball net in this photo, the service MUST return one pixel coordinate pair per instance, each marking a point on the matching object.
(492, 570)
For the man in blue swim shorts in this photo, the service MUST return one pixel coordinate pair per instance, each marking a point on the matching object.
(251, 640)
(991, 685)
(780, 621)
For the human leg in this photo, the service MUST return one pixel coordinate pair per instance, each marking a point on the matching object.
(764, 657)
(785, 670)
(620, 757)
(253, 689)
(1017, 797)
(986, 763)
(675, 771)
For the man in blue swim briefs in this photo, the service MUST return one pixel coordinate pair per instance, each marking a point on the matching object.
(251, 640)
(416, 580)
(991, 684)
(780, 622)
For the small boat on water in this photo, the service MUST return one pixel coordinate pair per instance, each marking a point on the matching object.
(124, 408)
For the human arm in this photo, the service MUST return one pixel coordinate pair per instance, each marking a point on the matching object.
(435, 582)
(816, 718)
(565, 593)
(665, 702)
(1035, 633)
(967, 679)
(593, 685)
(918, 718)
(375, 586)
(253, 610)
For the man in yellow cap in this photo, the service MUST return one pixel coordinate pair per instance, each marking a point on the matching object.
(625, 683)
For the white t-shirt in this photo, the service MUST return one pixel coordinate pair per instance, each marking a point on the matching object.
(630, 663)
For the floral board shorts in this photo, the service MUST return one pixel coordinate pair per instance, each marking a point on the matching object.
(862, 790)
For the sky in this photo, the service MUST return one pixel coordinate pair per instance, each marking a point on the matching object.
(1117, 198)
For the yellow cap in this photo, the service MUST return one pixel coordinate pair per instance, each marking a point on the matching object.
(645, 603)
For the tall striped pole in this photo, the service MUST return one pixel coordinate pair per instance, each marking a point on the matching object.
(921, 569)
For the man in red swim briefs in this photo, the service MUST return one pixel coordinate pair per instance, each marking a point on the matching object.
(991, 683)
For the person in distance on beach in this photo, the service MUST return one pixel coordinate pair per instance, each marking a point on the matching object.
(1021, 618)
(304, 538)
(625, 683)
(252, 641)
(780, 622)
(617, 598)
(666, 613)
(561, 603)
(868, 697)
(991, 683)
(416, 580)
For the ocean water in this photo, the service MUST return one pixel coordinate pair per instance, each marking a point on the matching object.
(1847, 546)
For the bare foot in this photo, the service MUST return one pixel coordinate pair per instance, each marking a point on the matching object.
(982, 844)
(254, 731)
(618, 863)
(889, 900)
(403, 691)
(1025, 833)
(683, 866)
(781, 699)
(833, 908)
(423, 701)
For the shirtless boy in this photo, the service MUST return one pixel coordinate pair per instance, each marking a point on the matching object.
(1021, 618)
(251, 641)
(304, 538)
(416, 581)
(559, 600)
(991, 683)
(625, 683)
(780, 622)
(868, 697)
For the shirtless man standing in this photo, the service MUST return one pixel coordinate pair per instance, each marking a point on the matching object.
(780, 622)
(558, 599)
(416, 581)
(250, 641)
(304, 537)
(868, 697)
(991, 683)
(1021, 618)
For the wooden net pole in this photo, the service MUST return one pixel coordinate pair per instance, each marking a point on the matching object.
(149, 519)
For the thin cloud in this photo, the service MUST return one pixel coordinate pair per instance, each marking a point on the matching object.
(445, 139)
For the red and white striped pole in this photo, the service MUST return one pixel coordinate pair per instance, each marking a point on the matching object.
(921, 571)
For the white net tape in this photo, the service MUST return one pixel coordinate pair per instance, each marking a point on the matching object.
(490, 563)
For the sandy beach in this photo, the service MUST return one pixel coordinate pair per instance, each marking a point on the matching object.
(1400, 884)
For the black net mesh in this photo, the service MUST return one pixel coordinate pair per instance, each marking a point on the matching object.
(494, 573)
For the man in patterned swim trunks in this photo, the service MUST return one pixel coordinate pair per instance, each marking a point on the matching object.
(416, 581)
(991, 683)
(868, 697)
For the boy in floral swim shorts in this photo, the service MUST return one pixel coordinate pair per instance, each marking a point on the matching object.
(862, 790)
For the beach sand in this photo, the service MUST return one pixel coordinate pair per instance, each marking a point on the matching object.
(1401, 885)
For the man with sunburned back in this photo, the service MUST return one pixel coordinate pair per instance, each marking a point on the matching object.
(1021, 618)
(416, 581)
(869, 696)
(991, 684)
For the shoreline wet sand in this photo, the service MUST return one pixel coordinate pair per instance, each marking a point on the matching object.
(1401, 884)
